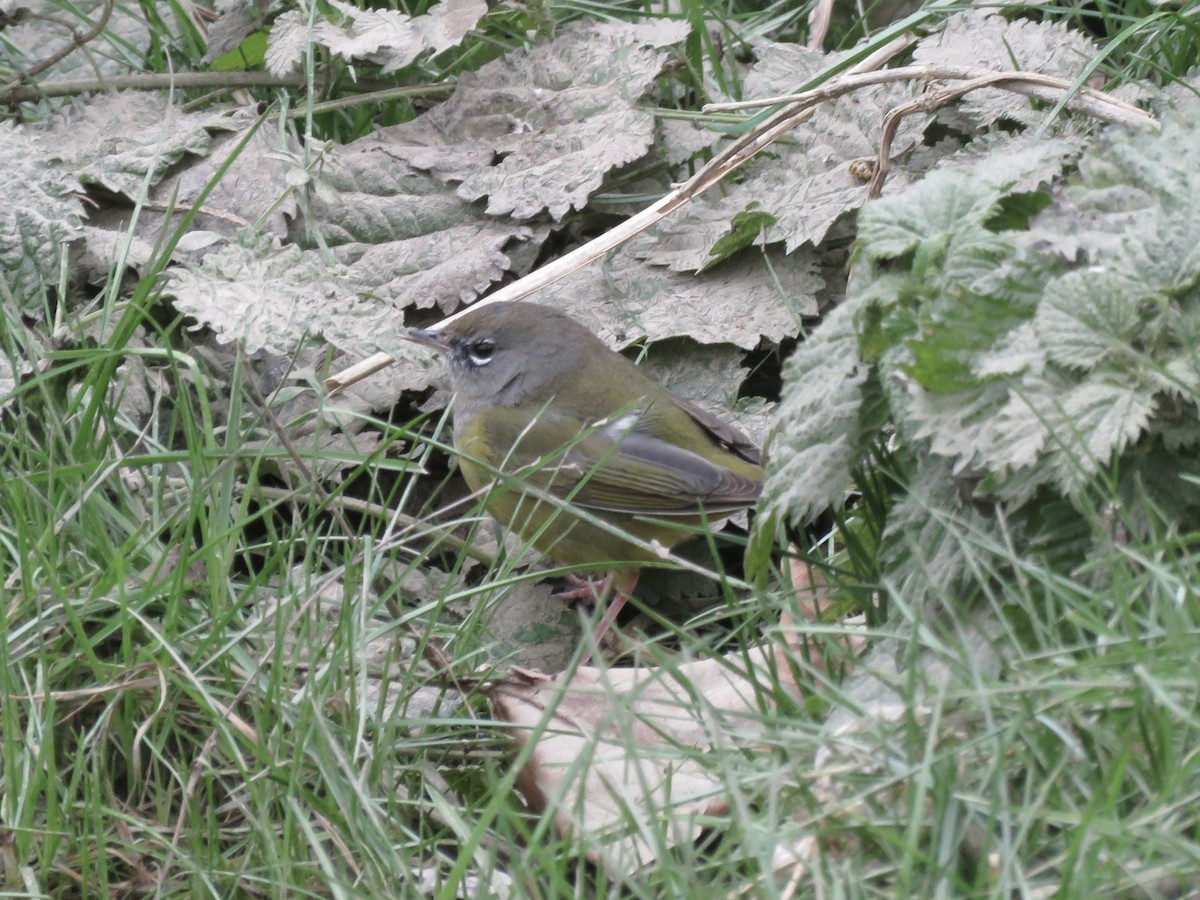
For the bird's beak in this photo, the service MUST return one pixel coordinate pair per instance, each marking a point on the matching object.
(429, 337)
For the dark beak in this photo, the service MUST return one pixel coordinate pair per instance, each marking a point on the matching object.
(429, 337)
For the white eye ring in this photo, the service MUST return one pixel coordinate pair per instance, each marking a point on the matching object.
(481, 352)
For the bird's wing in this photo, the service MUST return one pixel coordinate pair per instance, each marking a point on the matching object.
(640, 474)
(613, 466)
(722, 433)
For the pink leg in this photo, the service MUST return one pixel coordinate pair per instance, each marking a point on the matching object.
(609, 619)
(590, 589)
(622, 583)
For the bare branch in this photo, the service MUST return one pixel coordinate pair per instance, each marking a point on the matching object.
(77, 40)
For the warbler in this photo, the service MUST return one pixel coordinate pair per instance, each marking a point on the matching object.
(566, 436)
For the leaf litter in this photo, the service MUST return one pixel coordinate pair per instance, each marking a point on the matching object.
(537, 130)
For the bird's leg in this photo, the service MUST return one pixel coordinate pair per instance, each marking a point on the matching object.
(609, 618)
(622, 584)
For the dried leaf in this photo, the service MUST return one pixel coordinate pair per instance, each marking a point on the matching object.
(38, 215)
(538, 129)
(392, 226)
(255, 189)
(989, 41)
(803, 184)
(740, 302)
(273, 298)
(710, 377)
(621, 748)
(126, 141)
(681, 139)
(385, 37)
(118, 50)
(533, 626)
(8, 381)
(236, 21)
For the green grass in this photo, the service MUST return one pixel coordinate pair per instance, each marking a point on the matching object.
(220, 672)
(206, 693)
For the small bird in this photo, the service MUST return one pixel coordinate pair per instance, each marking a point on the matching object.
(560, 423)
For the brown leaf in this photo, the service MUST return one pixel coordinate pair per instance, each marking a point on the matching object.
(622, 753)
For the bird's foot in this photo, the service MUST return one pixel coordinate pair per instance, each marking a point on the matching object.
(583, 588)
(607, 635)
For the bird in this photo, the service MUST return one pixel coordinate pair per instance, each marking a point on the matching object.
(564, 436)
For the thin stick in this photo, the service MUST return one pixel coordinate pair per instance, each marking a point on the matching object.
(1087, 101)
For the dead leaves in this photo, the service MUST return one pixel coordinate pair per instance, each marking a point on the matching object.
(392, 225)
(800, 189)
(619, 755)
(539, 129)
(631, 762)
(37, 216)
(385, 37)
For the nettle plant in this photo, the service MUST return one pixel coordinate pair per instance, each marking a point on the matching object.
(1025, 360)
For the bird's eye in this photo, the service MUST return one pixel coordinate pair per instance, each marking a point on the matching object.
(481, 352)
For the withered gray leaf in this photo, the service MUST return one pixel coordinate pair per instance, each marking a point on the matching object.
(272, 298)
(406, 235)
(989, 41)
(38, 214)
(753, 296)
(51, 25)
(803, 183)
(538, 129)
(126, 141)
(385, 37)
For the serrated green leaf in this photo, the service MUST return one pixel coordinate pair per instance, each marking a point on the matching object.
(930, 535)
(923, 219)
(815, 440)
(1070, 429)
(953, 331)
(955, 425)
(1099, 421)
(1087, 318)
(126, 140)
(745, 228)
